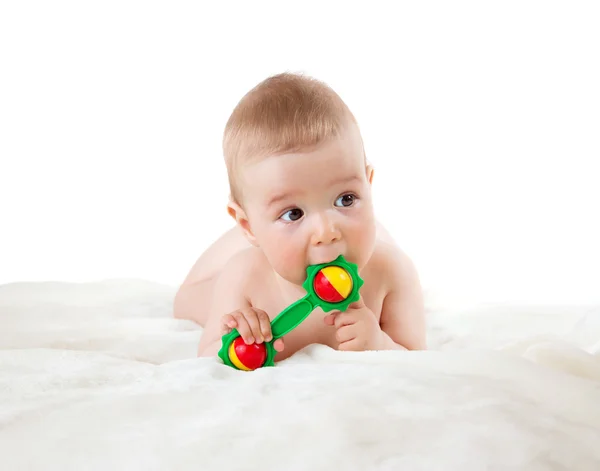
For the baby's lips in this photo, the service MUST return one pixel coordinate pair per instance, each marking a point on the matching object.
(322, 260)
(328, 260)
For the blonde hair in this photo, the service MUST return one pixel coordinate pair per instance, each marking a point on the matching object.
(284, 113)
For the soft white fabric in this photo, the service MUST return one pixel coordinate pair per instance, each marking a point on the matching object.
(99, 376)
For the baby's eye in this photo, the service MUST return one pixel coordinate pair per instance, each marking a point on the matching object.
(345, 200)
(292, 215)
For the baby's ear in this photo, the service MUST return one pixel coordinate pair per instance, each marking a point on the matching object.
(370, 171)
(241, 219)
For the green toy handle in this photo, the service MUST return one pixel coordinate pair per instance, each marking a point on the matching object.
(291, 317)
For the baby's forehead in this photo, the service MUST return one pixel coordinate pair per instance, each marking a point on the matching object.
(298, 173)
(345, 150)
(260, 172)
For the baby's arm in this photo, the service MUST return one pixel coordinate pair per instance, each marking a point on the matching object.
(230, 309)
(403, 313)
(228, 296)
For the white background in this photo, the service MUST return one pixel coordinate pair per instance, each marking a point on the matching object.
(482, 121)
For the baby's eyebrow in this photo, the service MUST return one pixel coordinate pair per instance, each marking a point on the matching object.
(282, 196)
(277, 199)
(345, 180)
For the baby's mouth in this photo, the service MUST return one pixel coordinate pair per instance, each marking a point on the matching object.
(323, 260)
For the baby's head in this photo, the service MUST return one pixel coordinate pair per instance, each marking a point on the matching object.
(300, 184)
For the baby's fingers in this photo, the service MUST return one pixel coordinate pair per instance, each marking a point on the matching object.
(252, 316)
(228, 323)
(243, 328)
(278, 345)
(264, 324)
(330, 318)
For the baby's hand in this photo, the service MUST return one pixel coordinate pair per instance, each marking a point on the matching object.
(357, 328)
(252, 324)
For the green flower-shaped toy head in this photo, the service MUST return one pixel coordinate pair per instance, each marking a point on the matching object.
(333, 285)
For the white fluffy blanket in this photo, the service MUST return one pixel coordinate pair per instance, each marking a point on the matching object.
(99, 376)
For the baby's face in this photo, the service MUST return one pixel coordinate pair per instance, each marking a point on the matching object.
(309, 207)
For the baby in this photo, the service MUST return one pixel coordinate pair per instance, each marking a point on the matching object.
(300, 194)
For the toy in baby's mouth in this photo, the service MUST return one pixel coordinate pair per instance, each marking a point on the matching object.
(332, 285)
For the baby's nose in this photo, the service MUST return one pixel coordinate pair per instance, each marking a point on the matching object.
(325, 232)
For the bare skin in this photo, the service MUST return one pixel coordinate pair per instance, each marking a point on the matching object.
(301, 209)
(232, 251)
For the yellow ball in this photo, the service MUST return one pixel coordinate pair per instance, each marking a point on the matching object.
(333, 284)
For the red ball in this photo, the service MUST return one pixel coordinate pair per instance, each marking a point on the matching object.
(247, 357)
(332, 284)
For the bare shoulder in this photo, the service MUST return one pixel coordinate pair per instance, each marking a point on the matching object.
(217, 255)
(391, 263)
(244, 266)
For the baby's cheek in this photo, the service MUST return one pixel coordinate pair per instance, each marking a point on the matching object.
(363, 242)
(288, 260)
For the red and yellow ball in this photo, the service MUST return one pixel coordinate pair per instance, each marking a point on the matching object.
(247, 357)
(332, 284)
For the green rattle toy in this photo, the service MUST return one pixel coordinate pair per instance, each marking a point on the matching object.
(332, 285)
